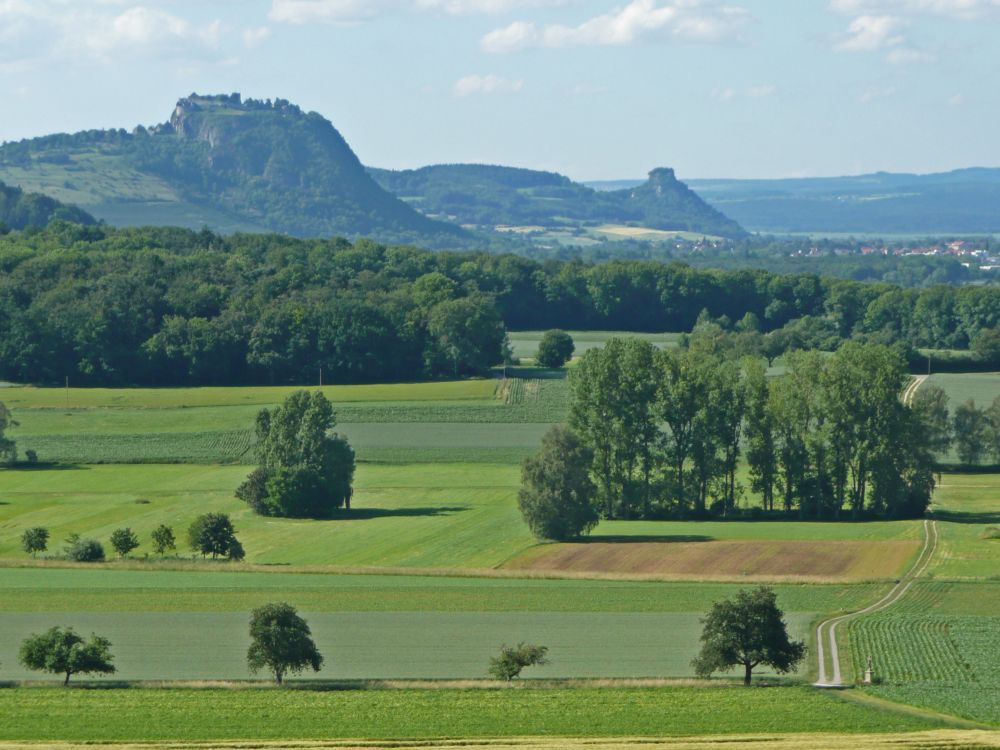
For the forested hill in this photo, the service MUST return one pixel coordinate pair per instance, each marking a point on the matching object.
(19, 210)
(965, 201)
(228, 164)
(488, 196)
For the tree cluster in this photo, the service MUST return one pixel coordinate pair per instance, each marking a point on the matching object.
(306, 470)
(667, 431)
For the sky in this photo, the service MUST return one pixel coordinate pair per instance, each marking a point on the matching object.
(595, 89)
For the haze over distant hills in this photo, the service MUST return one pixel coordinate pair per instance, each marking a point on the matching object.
(234, 164)
(486, 196)
(964, 201)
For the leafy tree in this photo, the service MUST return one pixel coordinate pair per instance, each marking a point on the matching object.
(124, 541)
(163, 539)
(993, 417)
(8, 447)
(986, 344)
(281, 642)
(35, 539)
(930, 404)
(213, 534)
(81, 549)
(555, 349)
(466, 336)
(747, 631)
(62, 651)
(971, 429)
(512, 660)
(306, 470)
(760, 434)
(557, 496)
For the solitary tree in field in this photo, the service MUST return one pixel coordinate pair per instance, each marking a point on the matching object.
(124, 541)
(747, 631)
(555, 348)
(557, 497)
(971, 429)
(163, 539)
(213, 534)
(512, 660)
(306, 470)
(35, 540)
(61, 651)
(281, 642)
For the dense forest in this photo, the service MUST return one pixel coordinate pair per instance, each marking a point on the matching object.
(487, 196)
(170, 306)
(20, 210)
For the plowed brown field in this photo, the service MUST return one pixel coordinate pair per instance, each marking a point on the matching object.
(724, 559)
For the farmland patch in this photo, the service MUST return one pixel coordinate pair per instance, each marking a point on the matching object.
(707, 559)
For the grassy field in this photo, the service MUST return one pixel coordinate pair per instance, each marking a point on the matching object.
(431, 515)
(525, 343)
(389, 645)
(982, 387)
(428, 515)
(192, 714)
(492, 421)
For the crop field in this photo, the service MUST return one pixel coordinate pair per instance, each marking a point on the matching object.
(261, 714)
(494, 421)
(525, 343)
(150, 588)
(982, 387)
(971, 505)
(706, 559)
(388, 645)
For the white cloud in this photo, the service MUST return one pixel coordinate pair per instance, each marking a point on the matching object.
(150, 32)
(464, 7)
(965, 10)
(956, 101)
(872, 33)
(60, 30)
(351, 12)
(325, 11)
(751, 92)
(693, 21)
(256, 37)
(488, 84)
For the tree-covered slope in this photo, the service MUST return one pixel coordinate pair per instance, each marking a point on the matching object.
(488, 196)
(19, 209)
(226, 163)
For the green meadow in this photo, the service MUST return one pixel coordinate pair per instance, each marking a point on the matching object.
(262, 714)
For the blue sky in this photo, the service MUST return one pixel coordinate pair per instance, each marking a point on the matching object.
(596, 89)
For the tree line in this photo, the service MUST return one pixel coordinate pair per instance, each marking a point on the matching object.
(169, 306)
(656, 434)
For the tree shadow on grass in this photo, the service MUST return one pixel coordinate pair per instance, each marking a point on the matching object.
(646, 538)
(45, 466)
(953, 516)
(366, 514)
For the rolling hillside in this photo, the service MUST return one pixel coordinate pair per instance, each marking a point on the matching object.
(490, 196)
(226, 163)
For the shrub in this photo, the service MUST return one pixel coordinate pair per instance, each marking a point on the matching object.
(85, 550)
